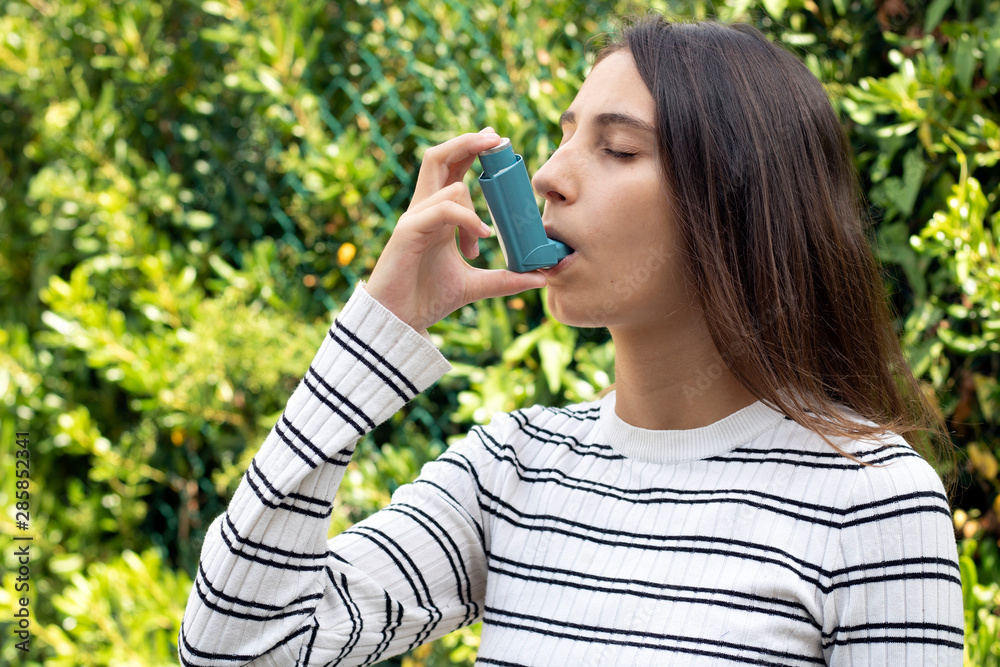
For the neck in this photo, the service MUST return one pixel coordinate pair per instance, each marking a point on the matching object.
(671, 378)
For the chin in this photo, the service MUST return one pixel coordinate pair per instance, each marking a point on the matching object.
(583, 312)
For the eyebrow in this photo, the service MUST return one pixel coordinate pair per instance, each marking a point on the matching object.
(611, 118)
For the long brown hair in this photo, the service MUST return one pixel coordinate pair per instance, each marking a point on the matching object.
(768, 207)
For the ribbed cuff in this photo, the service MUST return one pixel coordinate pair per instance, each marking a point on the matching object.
(369, 365)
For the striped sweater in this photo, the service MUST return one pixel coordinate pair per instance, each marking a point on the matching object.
(575, 537)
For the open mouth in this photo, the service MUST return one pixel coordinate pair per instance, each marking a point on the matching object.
(556, 237)
(563, 263)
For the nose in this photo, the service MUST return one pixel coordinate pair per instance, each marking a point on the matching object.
(552, 181)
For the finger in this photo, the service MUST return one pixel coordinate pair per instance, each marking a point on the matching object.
(447, 163)
(483, 284)
(446, 213)
(456, 192)
(468, 243)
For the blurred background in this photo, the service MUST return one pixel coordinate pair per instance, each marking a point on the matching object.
(189, 189)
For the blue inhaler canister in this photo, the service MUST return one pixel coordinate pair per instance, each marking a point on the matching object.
(515, 215)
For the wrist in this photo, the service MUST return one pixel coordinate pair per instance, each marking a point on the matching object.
(386, 303)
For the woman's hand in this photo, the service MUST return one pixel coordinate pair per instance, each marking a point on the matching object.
(421, 276)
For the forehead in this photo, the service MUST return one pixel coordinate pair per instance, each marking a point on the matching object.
(614, 85)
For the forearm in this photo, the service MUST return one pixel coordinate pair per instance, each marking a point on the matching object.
(264, 564)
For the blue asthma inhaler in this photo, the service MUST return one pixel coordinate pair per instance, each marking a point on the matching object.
(515, 215)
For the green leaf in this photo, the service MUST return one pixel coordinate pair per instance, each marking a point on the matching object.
(200, 220)
(213, 7)
(935, 12)
(270, 82)
(894, 248)
(992, 59)
(523, 344)
(903, 192)
(987, 393)
(969, 580)
(555, 357)
(775, 8)
(896, 130)
(965, 62)
(960, 344)
(920, 357)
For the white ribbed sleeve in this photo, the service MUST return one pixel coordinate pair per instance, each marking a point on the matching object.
(267, 582)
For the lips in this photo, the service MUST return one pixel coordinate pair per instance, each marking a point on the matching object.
(555, 236)
(553, 271)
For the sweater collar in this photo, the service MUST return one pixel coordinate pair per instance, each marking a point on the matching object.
(688, 444)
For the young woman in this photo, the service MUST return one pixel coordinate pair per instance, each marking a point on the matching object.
(744, 495)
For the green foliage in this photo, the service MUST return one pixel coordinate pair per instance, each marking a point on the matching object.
(188, 190)
(981, 601)
(125, 612)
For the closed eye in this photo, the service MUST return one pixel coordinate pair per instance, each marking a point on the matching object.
(620, 155)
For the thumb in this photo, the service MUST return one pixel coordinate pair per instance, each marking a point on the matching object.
(484, 283)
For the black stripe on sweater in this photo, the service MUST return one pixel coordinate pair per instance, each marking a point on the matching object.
(897, 639)
(353, 614)
(902, 562)
(581, 415)
(539, 434)
(252, 604)
(273, 505)
(742, 497)
(480, 660)
(382, 360)
(863, 454)
(451, 500)
(292, 494)
(340, 397)
(304, 660)
(642, 640)
(307, 499)
(940, 507)
(463, 582)
(846, 464)
(886, 627)
(308, 611)
(231, 657)
(607, 536)
(266, 548)
(627, 587)
(900, 576)
(344, 454)
(277, 612)
(383, 644)
(433, 613)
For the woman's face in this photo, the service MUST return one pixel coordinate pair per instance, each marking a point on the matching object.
(605, 198)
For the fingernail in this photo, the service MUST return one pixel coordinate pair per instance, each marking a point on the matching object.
(487, 229)
(487, 130)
